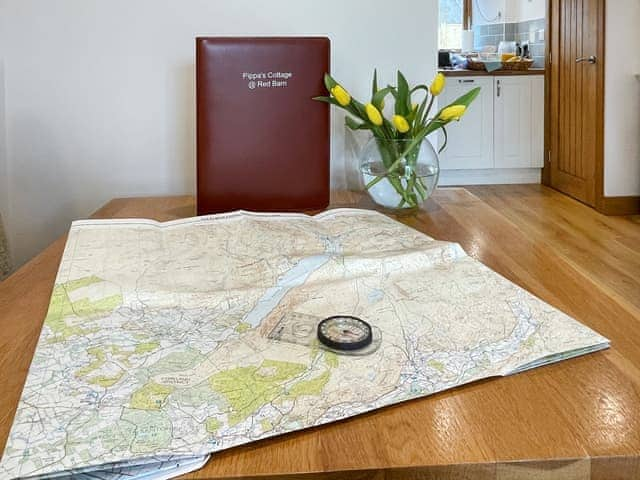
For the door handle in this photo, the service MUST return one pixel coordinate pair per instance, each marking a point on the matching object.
(466, 81)
(590, 59)
(498, 88)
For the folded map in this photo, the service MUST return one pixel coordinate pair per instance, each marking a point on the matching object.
(155, 351)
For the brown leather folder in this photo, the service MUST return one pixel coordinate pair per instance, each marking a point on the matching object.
(263, 143)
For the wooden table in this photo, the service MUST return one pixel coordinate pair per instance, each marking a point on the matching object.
(579, 419)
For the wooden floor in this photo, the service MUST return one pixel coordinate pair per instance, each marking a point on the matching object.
(604, 250)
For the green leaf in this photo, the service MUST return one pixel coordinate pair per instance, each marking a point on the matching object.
(465, 100)
(403, 100)
(330, 100)
(421, 109)
(329, 82)
(358, 109)
(378, 97)
(353, 125)
(390, 130)
(374, 86)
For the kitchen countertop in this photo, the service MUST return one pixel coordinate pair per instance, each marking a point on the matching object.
(498, 73)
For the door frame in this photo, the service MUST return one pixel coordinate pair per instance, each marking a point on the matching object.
(551, 32)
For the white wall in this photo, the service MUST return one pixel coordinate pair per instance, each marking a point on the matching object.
(4, 174)
(622, 100)
(100, 93)
(486, 10)
(512, 10)
(524, 10)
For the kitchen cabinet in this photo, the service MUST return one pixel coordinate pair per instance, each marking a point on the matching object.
(518, 122)
(503, 129)
(470, 143)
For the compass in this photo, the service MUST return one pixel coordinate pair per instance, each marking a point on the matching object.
(345, 332)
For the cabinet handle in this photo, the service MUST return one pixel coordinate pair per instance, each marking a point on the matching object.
(498, 88)
(466, 81)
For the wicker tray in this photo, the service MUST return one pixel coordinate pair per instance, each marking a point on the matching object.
(520, 65)
(523, 64)
(476, 65)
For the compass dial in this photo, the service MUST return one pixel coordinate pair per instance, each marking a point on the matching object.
(344, 332)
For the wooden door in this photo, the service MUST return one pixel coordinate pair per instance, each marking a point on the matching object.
(537, 121)
(576, 81)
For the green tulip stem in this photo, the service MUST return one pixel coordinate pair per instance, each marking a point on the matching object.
(421, 188)
(426, 113)
(374, 182)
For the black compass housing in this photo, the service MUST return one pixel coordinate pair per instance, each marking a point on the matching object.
(345, 345)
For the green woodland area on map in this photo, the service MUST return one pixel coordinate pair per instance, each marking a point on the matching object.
(61, 307)
(245, 389)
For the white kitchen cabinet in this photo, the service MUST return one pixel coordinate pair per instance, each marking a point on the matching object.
(470, 142)
(502, 132)
(519, 122)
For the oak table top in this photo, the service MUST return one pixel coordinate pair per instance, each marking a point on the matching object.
(578, 419)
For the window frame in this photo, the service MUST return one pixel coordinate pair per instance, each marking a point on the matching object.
(467, 14)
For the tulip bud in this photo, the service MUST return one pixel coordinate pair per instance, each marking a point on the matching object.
(341, 95)
(401, 123)
(437, 85)
(373, 113)
(454, 112)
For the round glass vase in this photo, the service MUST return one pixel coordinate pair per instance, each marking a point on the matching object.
(399, 174)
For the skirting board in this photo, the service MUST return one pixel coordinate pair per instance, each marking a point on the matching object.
(619, 205)
(491, 176)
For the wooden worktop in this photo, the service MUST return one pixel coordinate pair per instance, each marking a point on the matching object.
(496, 73)
(578, 419)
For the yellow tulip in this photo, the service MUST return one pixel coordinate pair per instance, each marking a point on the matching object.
(341, 95)
(401, 123)
(373, 113)
(454, 112)
(437, 85)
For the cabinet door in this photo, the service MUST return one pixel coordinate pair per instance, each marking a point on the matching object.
(514, 126)
(470, 144)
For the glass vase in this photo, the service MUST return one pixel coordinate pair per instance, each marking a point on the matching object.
(399, 174)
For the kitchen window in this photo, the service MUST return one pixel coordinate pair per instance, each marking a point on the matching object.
(453, 17)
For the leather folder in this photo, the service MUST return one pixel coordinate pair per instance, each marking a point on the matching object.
(262, 142)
